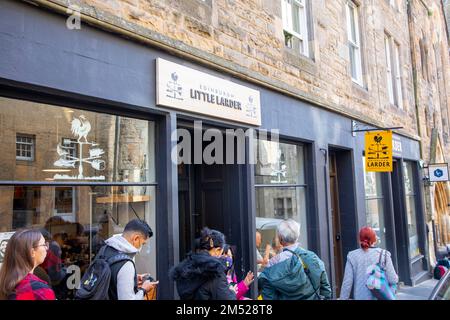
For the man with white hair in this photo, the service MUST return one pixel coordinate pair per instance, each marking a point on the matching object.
(295, 273)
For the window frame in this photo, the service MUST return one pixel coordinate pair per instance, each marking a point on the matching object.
(414, 195)
(379, 198)
(71, 146)
(288, 24)
(297, 187)
(355, 44)
(393, 71)
(398, 74)
(32, 144)
(389, 71)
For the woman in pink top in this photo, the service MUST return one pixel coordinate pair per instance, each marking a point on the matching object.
(243, 286)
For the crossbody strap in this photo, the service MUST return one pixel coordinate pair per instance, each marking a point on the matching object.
(380, 258)
(307, 272)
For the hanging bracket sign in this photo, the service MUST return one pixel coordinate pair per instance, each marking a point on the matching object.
(438, 172)
(378, 151)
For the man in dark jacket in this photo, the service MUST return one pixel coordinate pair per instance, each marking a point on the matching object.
(201, 276)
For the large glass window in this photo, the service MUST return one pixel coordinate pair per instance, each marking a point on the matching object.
(280, 190)
(375, 210)
(411, 215)
(75, 146)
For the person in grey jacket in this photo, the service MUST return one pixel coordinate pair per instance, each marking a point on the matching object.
(125, 283)
(358, 261)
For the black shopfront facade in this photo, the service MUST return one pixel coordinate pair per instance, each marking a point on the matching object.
(50, 76)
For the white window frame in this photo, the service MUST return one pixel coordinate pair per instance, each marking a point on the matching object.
(32, 144)
(354, 43)
(288, 25)
(398, 75)
(389, 71)
(71, 147)
(393, 71)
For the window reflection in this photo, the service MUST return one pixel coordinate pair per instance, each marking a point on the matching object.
(75, 237)
(408, 178)
(52, 143)
(44, 143)
(279, 164)
(375, 207)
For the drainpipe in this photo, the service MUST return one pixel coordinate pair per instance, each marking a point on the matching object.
(414, 70)
(427, 192)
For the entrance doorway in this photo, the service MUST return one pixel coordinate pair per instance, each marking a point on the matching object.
(202, 201)
(343, 211)
(213, 196)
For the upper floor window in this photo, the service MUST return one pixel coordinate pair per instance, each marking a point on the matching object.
(24, 147)
(295, 25)
(354, 41)
(393, 71)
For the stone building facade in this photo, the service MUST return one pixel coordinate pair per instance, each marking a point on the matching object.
(323, 70)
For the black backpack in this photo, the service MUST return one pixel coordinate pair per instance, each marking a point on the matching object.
(96, 280)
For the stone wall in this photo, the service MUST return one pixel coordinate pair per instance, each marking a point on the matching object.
(248, 35)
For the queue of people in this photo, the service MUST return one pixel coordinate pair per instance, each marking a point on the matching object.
(285, 272)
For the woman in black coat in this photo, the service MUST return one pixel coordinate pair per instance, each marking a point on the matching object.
(201, 276)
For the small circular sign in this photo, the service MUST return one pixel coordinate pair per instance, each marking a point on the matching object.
(438, 173)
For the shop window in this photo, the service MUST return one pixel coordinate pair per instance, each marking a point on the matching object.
(114, 158)
(74, 145)
(411, 213)
(24, 147)
(375, 208)
(280, 190)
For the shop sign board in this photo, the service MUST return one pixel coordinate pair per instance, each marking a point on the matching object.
(190, 90)
(378, 151)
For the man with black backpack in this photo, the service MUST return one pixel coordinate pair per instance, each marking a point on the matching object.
(112, 275)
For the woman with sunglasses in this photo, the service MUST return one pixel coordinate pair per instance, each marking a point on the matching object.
(26, 250)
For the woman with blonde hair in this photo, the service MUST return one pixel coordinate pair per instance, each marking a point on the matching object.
(25, 251)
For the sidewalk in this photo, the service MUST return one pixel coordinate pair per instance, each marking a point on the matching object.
(420, 292)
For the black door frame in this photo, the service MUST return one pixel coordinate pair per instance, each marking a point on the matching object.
(408, 268)
(345, 171)
(236, 188)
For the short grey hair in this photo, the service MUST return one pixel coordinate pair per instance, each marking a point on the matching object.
(288, 231)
